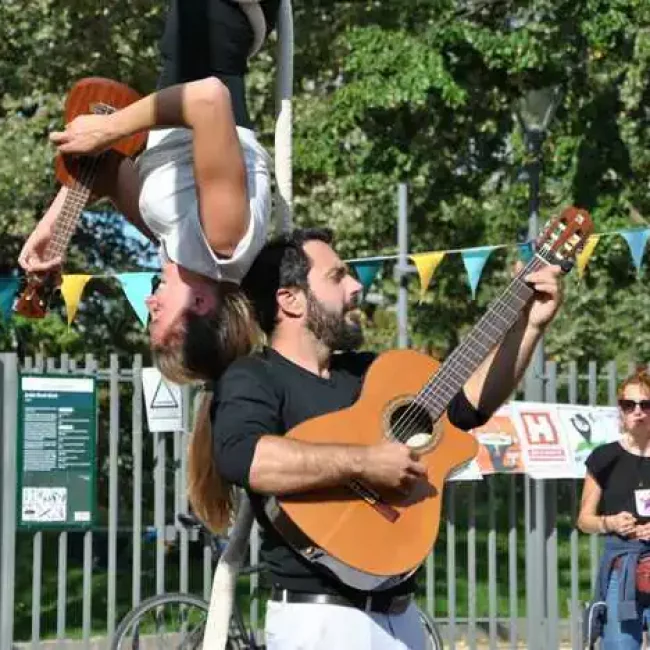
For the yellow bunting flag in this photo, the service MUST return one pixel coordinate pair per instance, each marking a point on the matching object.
(427, 263)
(585, 254)
(72, 287)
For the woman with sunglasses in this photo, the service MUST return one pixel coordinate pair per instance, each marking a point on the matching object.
(201, 189)
(616, 504)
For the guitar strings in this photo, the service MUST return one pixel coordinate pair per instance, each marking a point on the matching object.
(503, 305)
(406, 424)
(82, 185)
(442, 388)
(410, 417)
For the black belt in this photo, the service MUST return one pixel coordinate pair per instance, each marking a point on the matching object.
(377, 603)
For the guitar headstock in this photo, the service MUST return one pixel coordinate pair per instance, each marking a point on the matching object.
(564, 237)
(35, 298)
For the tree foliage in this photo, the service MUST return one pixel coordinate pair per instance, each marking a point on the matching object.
(420, 92)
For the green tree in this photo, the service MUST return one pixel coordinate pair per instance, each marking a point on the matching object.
(45, 46)
(385, 93)
(424, 94)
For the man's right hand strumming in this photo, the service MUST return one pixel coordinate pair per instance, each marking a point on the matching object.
(392, 465)
(284, 466)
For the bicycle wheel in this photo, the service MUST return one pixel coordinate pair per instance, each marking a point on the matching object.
(432, 635)
(169, 621)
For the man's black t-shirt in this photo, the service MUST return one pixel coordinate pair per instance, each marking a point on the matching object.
(624, 479)
(267, 394)
(205, 38)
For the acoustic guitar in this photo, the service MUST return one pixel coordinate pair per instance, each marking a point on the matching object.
(89, 95)
(373, 541)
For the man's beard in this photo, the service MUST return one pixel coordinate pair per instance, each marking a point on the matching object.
(334, 331)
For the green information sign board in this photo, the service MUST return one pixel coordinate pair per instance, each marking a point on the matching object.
(56, 452)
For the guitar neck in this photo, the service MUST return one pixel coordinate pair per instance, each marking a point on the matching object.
(68, 218)
(76, 198)
(486, 334)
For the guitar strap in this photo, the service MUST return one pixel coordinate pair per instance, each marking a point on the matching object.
(255, 15)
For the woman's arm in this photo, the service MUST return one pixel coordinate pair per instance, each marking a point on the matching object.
(588, 519)
(622, 523)
(203, 106)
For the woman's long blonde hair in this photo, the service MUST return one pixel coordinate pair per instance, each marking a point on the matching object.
(210, 495)
(207, 347)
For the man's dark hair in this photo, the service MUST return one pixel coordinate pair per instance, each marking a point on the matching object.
(281, 264)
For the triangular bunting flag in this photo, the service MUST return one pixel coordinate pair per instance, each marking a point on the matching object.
(72, 287)
(8, 290)
(474, 260)
(585, 254)
(526, 252)
(137, 287)
(366, 272)
(636, 240)
(426, 264)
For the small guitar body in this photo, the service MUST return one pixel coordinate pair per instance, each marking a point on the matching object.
(89, 95)
(374, 541)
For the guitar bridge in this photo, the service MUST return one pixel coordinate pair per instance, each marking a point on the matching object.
(373, 499)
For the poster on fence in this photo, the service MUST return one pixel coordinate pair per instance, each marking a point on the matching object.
(56, 452)
(546, 441)
(468, 472)
(587, 427)
(544, 444)
(499, 450)
(163, 402)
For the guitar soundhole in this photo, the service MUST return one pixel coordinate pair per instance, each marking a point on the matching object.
(411, 424)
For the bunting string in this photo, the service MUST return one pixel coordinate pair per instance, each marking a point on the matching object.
(475, 258)
(138, 285)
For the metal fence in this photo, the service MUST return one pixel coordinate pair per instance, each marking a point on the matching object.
(509, 567)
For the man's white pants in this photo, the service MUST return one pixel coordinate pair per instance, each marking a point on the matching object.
(307, 626)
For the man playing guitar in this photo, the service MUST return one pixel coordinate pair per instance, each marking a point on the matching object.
(306, 302)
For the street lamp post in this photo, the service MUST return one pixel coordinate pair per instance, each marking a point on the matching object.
(535, 111)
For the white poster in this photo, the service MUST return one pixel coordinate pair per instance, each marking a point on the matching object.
(544, 444)
(163, 402)
(469, 472)
(587, 427)
(44, 504)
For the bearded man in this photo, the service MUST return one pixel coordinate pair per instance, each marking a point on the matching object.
(307, 304)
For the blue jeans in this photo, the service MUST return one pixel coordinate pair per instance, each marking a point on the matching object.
(620, 635)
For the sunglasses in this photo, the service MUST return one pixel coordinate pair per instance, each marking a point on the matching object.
(628, 405)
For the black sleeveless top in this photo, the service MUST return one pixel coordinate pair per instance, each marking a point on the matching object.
(204, 38)
(624, 479)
